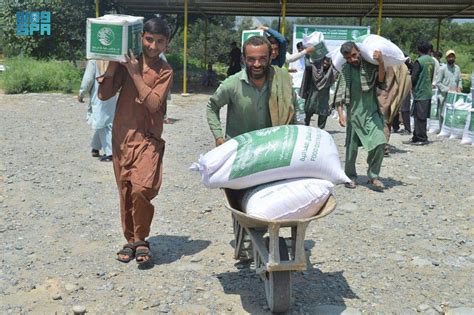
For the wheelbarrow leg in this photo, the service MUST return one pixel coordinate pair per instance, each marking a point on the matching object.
(243, 249)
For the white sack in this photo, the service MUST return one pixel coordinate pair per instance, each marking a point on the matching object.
(468, 135)
(433, 123)
(312, 39)
(451, 99)
(271, 154)
(392, 55)
(289, 199)
(447, 121)
(337, 59)
(460, 113)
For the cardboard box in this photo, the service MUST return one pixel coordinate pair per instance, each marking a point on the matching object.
(111, 36)
(249, 33)
(320, 50)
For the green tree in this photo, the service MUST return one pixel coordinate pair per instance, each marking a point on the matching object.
(68, 26)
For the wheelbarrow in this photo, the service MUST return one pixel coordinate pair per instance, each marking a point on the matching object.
(275, 257)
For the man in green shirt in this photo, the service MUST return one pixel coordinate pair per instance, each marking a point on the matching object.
(365, 123)
(421, 78)
(257, 97)
(449, 79)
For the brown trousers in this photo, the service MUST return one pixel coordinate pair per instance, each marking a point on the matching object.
(136, 210)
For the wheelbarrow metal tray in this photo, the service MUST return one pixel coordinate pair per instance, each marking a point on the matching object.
(270, 253)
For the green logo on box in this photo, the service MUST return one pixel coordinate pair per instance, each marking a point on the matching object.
(106, 39)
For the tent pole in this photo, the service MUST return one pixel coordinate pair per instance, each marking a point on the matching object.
(283, 18)
(97, 12)
(439, 34)
(379, 19)
(185, 48)
(205, 42)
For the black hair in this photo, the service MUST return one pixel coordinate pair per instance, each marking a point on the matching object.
(157, 26)
(346, 48)
(299, 45)
(257, 41)
(424, 47)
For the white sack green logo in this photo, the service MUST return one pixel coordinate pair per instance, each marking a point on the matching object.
(105, 36)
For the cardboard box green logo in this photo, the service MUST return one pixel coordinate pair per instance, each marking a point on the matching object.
(111, 36)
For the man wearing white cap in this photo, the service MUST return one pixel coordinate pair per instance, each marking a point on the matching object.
(449, 79)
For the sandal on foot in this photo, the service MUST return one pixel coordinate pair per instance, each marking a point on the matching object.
(376, 184)
(142, 253)
(127, 250)
(95, 153)
(351, 185)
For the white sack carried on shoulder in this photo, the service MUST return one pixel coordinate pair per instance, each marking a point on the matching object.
(392, 55)
(289, 199)
(337, 59)
(271, 154)
(468, 134)
(312, 39)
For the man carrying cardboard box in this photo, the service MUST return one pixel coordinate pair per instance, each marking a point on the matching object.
(137, 146)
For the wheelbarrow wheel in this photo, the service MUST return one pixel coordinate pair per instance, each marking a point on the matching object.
(278, 283)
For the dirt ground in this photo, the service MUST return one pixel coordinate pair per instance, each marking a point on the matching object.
(406, 250)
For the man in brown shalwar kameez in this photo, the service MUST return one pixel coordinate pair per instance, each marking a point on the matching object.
(137, 146)
(398, 86)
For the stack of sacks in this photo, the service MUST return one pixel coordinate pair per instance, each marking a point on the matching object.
(455, 114)
(274, 154)
(392, 55)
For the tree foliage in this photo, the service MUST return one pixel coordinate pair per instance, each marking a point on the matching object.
(68, 25)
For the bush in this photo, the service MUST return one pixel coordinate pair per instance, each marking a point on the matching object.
(30, 75)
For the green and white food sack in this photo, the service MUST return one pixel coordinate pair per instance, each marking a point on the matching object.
(468, 134)
(271, 154)
(289, 199)
(298, 104)
(109, 37)
(433, 124)
(460, 113)
(451, 99)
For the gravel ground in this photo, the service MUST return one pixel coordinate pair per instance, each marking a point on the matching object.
(406, 250)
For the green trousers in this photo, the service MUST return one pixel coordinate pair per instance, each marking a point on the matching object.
(374, 160)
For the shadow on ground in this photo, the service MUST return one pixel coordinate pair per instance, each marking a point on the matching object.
(323, 290)
(166, 249)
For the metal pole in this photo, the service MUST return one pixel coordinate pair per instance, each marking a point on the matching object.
(283, 18)
(379, 19)
(439, 34)
(185, 49)
(205, 42)
(97, 12)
